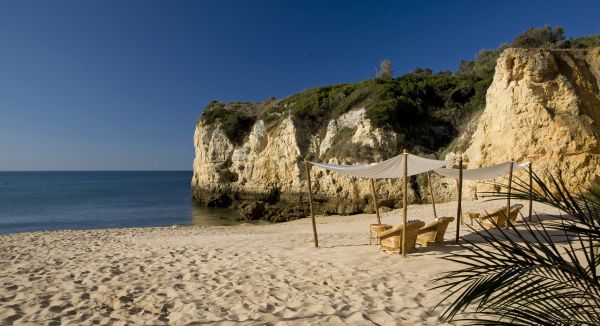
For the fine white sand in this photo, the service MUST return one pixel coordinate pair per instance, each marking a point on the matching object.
(246, 274)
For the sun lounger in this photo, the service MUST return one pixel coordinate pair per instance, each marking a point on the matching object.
(375, 229)
(499, 217)
(391, 240)
(433, 232)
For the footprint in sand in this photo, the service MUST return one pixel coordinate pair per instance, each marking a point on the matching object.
(116, 271)
(7, 298)
(59, 308)
(268, 309)
(11, 319)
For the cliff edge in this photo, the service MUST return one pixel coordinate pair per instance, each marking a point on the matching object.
(542, 106)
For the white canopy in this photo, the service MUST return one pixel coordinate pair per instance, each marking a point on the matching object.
(489, 172)
(391, 168)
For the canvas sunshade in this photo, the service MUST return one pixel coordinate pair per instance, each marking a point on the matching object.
(391, 168)
(489, 172)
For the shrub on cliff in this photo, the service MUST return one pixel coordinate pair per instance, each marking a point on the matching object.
(551, 38)
(394, 112)
(421, 99)
(544, 37)
(583, 42)
(234, 123)
(344, 149)
(416, 103)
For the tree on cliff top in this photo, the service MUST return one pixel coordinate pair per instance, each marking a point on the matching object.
(385, 70)
(544, 37)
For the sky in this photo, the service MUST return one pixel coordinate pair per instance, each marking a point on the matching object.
(119, 84)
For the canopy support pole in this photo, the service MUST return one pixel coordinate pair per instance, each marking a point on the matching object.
(312, 212)
(530, 190)
(431, 193)
(404, 202)
(510, 174)
(375, 201)
(459, 206)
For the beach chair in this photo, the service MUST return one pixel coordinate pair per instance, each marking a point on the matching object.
(433, 232)
(499, 217)
(391, 240)
(375, 229)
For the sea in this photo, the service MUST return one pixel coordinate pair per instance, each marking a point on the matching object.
(41, 201)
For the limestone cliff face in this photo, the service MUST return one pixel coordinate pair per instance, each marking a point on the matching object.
(266, 161)
(543, 106)
(269, 167)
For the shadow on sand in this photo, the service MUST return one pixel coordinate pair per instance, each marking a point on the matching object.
(535, 234)
(476, 233)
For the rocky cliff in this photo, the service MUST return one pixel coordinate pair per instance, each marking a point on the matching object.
(268, 167)
(543, 105)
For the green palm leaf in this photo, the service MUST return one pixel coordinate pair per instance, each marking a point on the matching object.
(541, 274)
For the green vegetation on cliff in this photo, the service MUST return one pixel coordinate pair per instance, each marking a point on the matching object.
(431, 107)
(235, 121)
(390, 103)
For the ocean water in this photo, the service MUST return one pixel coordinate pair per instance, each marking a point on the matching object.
(37, 201)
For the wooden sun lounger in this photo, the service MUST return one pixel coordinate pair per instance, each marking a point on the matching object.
(499, 217)
(391, 240)
(433, 232)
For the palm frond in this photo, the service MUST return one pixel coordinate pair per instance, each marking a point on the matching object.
(542, 273)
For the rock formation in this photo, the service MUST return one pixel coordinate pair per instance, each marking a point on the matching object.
(269, 167)
(543, 106)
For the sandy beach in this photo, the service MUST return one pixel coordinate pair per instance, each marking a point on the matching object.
(245, 274)
(161, 161)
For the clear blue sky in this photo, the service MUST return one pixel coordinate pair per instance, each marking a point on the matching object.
(88, 85)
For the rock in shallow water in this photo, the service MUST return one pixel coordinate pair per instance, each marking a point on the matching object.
(253, 211)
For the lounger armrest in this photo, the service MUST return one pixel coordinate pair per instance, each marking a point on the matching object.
(389, 232)
(428, 228)
(486, 216)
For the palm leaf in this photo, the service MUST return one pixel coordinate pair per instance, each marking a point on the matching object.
(522, 276)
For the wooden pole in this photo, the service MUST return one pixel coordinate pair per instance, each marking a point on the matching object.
(404, 202)
(459, 206)
(375, 201)
(310, 196)
(510, 174)
(431, 193)
(530, 190)
(458, 217)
